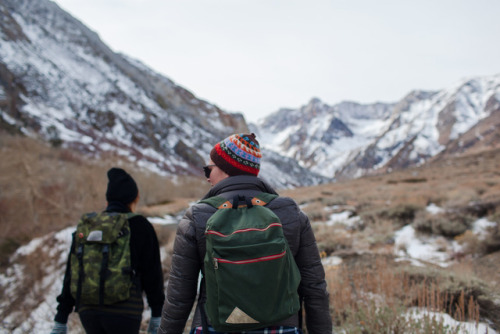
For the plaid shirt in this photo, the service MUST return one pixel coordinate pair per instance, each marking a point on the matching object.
(267, 330)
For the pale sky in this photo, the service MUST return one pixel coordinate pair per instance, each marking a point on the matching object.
(257, 56)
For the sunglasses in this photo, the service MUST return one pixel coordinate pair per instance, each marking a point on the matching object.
(207, 170)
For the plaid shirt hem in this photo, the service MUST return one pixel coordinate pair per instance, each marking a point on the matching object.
(267, 330)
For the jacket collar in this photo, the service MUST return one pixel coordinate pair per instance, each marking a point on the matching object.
(234, 184)
(117, 207)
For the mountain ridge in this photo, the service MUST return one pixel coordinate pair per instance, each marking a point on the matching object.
(349, 139)
(59, 82)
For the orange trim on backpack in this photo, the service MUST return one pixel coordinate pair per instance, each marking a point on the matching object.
(228, 204)
(256, 201)
(225, 205)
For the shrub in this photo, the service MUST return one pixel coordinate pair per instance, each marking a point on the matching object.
(492, 240)
(331, 239)
(375, 297)
(45, 189)
(315, 211)
(399, 215)
(471, 242)
(403, 214)
(415, 180)
(445, 224)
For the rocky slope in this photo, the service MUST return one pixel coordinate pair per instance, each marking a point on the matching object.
(61, 83)
(350, 140)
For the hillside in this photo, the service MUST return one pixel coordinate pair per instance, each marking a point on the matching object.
(434, 228)
(411, 221)
(350, 139)
(438, 223)
(60, 83)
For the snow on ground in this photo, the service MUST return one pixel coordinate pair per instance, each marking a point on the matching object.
(434, 209)
(408, 245)
(418, 248)
(345, 218)
(452, 325)
(165, 220)
(331, 261)
(40, 318)
(481, 226)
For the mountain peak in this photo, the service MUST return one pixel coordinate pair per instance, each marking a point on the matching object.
(61, 83)
(351, 139)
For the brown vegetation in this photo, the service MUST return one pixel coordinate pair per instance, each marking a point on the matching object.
(44, 189)
(370, 293)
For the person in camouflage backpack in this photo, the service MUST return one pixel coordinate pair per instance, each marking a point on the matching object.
(141, 259)
(232, 171)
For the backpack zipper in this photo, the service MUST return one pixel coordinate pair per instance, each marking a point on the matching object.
(218, 260)
(242, 230)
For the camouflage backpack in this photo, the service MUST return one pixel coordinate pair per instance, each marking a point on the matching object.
(101, 272)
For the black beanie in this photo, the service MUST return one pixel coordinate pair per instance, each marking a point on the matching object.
(121, 187)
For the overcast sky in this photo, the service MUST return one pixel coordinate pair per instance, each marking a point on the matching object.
(256, 56)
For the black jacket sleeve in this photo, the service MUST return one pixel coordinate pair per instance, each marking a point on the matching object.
(146, 261)
(302, 242)
(65, 300)
(183, 280)
(312, 287)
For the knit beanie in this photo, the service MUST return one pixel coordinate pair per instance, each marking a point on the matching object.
(238, 154)
(121, 187)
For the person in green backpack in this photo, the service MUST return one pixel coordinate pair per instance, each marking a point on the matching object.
(114, 258)
(256, 252)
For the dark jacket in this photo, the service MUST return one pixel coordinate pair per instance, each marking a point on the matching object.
(145, 261)
(189, 252)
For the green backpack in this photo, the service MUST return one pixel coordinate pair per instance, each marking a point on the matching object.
(101, 271)
(250, 274)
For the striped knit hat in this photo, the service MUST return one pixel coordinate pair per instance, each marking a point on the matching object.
(238, 154)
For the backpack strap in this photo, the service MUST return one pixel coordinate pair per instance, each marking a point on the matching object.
(102, 275)
(204, 321)
(79, 254)
(237, 199)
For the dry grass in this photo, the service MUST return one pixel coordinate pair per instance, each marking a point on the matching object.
(467, 187)
(44, 189)
(450, 183)
(373, 295)
(332, 239)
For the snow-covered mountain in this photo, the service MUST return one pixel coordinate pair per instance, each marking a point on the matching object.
(61, 83)
(350, 140)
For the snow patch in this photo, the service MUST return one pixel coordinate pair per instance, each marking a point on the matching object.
(165, 220)
(434, 209)
(345, 218)
(451, 324)
(415, 248)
